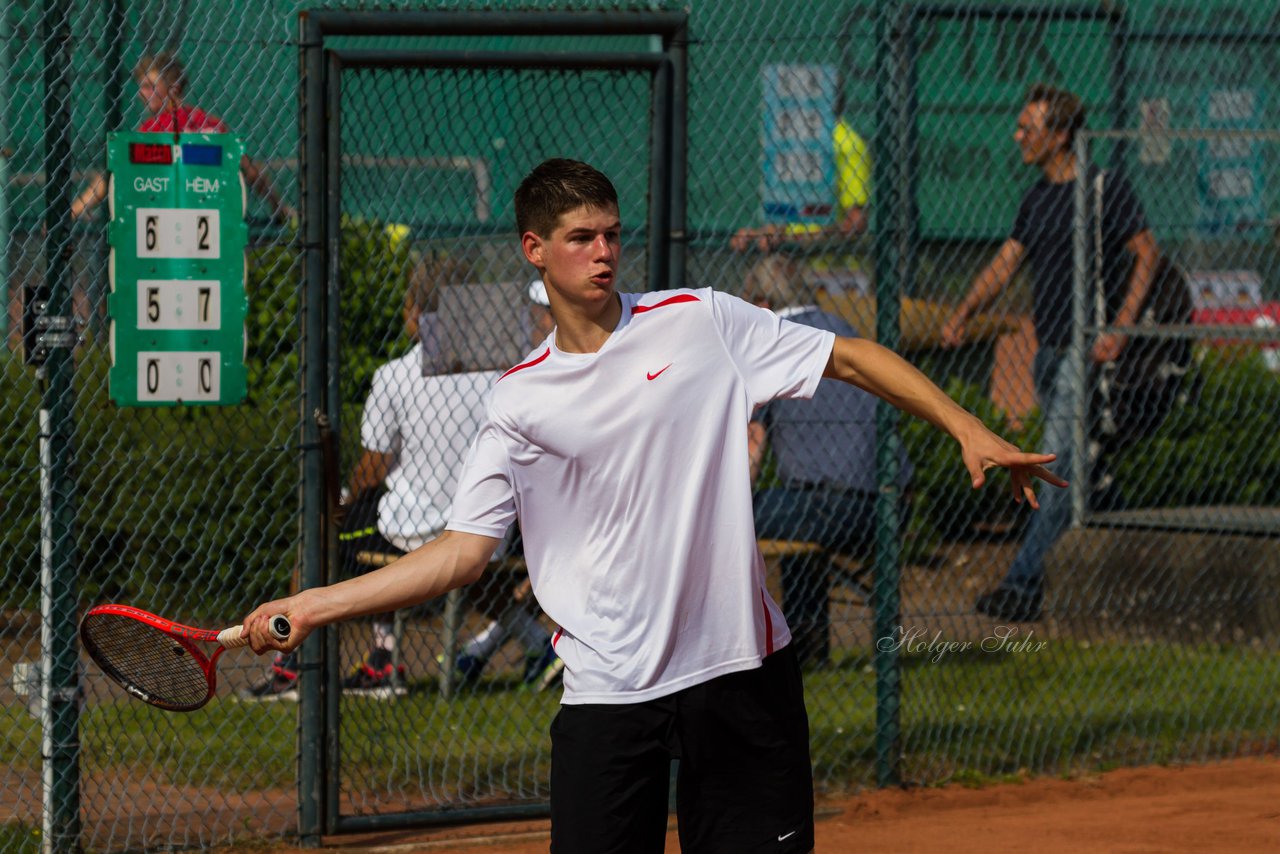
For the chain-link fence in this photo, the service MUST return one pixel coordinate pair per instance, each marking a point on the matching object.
(843, 154)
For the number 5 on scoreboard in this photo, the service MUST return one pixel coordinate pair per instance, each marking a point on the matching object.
(180, 304)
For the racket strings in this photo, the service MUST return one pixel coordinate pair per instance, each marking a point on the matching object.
(147, 661)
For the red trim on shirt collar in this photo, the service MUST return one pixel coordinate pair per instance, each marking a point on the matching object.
(528, 364)
(640, 309)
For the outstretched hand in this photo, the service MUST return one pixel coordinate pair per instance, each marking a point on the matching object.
(986, 450)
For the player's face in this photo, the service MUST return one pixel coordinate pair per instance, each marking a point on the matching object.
(153, 91)
(580, 258)
(1037, 142)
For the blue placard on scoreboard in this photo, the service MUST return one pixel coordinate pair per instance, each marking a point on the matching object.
(799, 161)
(1231, 173)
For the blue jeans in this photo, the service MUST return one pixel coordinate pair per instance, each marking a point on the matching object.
(1052, 372)
(841, 522)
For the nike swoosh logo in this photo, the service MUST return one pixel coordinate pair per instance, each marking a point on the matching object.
(652, 377)
(786, 836)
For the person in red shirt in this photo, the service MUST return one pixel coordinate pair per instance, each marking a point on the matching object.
(162, 82)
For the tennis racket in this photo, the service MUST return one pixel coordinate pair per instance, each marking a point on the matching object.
(159, 661)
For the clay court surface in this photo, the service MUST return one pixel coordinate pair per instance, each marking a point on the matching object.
(1228, 806)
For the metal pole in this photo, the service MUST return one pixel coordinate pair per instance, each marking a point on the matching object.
(331, 322)
(678, 50)
(312, 737)
(450, 23)
(60, 651)
(659, 178)
(892, 212)
(4, 212)
(1079, 319)
(112, 91)
(585, 60)
(1119, 79)
(4, 178)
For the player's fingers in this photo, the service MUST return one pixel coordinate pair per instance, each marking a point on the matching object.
(1024, 486)
(1016, 489)
(257, 627)
(255, 638)
(1025, 458)
(1047, 476)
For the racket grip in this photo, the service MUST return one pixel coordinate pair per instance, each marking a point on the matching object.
(280, 627)
(234, 637)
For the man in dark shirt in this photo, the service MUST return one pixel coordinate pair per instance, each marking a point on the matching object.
(1043, 233)
(824, 451)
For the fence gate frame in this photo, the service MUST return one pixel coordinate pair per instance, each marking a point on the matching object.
(320, 156)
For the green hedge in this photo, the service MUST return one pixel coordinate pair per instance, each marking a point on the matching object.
(194, 510)
(1218, 449)
(946, 505)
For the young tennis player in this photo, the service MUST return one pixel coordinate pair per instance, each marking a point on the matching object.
(620, 443)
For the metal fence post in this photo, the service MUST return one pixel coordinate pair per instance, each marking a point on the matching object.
(890, 237)
(678, 50)
(4, 175)
(313, 740)
(60, 674)
(1079, 321)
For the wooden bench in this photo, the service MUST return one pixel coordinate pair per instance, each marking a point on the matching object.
(811, 629)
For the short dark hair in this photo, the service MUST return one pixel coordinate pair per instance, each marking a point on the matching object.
(167, 65)
(557, 186)
(1063, 110)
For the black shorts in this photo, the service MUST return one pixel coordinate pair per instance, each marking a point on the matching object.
(744, 783)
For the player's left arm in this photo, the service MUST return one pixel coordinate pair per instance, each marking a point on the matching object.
(1146, 256)
(887, 375)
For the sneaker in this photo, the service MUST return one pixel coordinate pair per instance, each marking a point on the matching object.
(538, 662)
(376, 677)
(282, 684)
(1005, 603)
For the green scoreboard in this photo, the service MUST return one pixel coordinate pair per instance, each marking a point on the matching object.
(178, 298)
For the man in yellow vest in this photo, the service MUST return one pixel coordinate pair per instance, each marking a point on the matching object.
(837, 270)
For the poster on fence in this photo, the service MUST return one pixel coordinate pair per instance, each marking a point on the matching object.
(799, 160)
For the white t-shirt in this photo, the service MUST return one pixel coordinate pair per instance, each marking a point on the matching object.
(428, 424)
(628, 470)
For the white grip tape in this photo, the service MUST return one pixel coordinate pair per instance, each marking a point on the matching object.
(234, 637)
